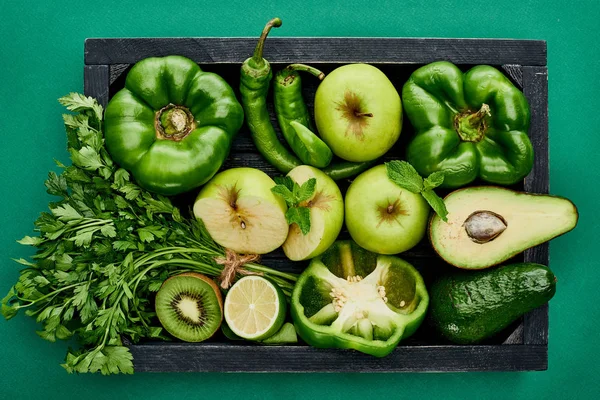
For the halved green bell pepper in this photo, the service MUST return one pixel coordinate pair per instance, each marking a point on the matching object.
(351, 298)
(471, 125)
(172, 125)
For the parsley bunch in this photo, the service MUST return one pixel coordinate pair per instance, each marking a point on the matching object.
(102, 251)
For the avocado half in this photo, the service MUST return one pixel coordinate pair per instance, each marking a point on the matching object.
(488, 224)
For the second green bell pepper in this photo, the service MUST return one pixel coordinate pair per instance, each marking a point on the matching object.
(172, 125)
(471, 125)
(351, 298)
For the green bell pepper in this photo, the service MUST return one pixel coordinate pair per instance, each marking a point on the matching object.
(172, 125)
(471, 125)
(351, 298)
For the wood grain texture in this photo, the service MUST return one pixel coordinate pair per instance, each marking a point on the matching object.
(522, 346)
(226, 357)
(515, 72)
(535, 81)
(321, 50)
(96, 82)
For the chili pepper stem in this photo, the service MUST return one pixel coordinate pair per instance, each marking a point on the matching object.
(470, 126)
(257, 57)
(306, 68)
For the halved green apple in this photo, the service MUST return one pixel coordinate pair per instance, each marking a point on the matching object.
(240, 212)
(326, 216)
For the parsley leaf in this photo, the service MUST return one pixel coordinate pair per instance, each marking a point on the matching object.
(103, 250)
(406, 176)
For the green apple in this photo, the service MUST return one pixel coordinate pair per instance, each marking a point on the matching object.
(358, 112)
(241, 213)
(383, 217)
(326, 216)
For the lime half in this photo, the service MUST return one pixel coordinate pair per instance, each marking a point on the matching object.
(254, 308)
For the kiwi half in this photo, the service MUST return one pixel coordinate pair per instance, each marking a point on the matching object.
(190, 307)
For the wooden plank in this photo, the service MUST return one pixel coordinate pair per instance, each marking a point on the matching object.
(209, 357)
(96, 82)
(535, 87)
(321, 50)
(116, 70)
(515, 72)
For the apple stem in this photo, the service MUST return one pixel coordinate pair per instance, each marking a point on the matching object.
(390, 209)
(362, 114)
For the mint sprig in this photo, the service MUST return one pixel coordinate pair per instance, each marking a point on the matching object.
(294, 194)
(406, 176)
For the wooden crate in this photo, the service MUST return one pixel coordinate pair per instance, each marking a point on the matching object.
(522, 346)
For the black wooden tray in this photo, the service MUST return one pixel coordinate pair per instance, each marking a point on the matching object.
(522, 346)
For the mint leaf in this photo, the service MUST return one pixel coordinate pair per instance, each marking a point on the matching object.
(307, 190)
(294, 194)
(299, 216)
(404, 175)
(434, 180)
(437, 203)
(285, 181)
(284, 192)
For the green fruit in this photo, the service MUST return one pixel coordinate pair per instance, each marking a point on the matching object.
(488, 225)
(383, 217)
(241, 213)
(326, 216)
(358, 112)
(255, 308)
(286, 335)
(189, 306)
(467, 307)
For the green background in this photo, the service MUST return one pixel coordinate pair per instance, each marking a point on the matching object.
(41, 59)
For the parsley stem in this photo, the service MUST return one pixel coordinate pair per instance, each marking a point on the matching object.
(53, 293)
(272, 272)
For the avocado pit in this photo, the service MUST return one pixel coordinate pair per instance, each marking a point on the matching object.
(484, 226)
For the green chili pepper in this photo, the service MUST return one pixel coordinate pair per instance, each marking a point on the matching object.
(255, 78)
(294, 119)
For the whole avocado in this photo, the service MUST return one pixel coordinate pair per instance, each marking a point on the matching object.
(467, 307)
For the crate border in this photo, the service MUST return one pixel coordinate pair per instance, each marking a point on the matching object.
(523, 60)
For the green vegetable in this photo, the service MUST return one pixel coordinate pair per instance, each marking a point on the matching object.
(103, 250)
(471, 125)
(294, 195)
(285, 335)
(316, 152)
(294, 119)
(255, 78)
(351, 298)
(468, 307)
(172, 125)
(404, 175)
